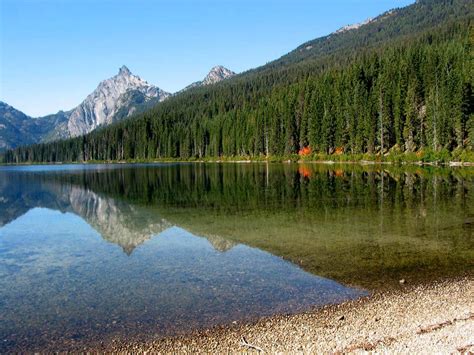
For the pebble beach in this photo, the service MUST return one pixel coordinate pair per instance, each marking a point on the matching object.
(434, 318)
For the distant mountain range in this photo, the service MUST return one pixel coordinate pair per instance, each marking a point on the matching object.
(17, 129)
(113, 100)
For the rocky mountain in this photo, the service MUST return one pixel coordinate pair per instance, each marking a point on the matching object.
(17, 128)
(133, 102)
(12, 124)
(218, 73)
(113, 99)
(121, 92)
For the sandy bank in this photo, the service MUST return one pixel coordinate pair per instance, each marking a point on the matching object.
(423, 319)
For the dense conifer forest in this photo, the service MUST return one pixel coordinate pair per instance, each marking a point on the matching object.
(405, 90)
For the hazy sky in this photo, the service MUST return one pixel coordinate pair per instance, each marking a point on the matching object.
(55, 52)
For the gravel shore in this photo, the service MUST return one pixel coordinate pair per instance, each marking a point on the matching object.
(438, 318)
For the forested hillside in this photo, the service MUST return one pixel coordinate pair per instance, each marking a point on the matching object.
(394, 23)
(409, 90)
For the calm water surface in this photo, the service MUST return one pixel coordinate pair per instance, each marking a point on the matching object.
(90, 253)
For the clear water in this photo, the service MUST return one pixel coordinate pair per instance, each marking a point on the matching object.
(96, 252)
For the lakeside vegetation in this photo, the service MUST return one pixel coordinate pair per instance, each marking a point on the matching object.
(428, 157)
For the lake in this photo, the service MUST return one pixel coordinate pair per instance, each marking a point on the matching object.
(91, 253)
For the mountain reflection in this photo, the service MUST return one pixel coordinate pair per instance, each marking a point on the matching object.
(117, 221)
(362, 225)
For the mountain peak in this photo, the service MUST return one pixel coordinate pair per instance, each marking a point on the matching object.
(219, 68)
(124, 70)
(111, 96)
(217, 74)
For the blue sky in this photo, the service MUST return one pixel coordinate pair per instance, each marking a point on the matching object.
(55, 52)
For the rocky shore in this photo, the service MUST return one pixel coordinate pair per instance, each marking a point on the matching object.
(435, 318)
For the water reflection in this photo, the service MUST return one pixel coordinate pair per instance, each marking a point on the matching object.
(116, 221)
(185, 234)
(62, 287)
(382, 221)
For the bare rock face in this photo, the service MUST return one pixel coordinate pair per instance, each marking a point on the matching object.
(99, 108)
(218, 73)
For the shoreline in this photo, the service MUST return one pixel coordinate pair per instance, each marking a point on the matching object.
(449, 164)
(438, 317)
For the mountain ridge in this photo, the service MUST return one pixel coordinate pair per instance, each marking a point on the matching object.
(374, 31)
(17, 128)
(114, 99)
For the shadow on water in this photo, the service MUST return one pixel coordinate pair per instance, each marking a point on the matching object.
(361, 226)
